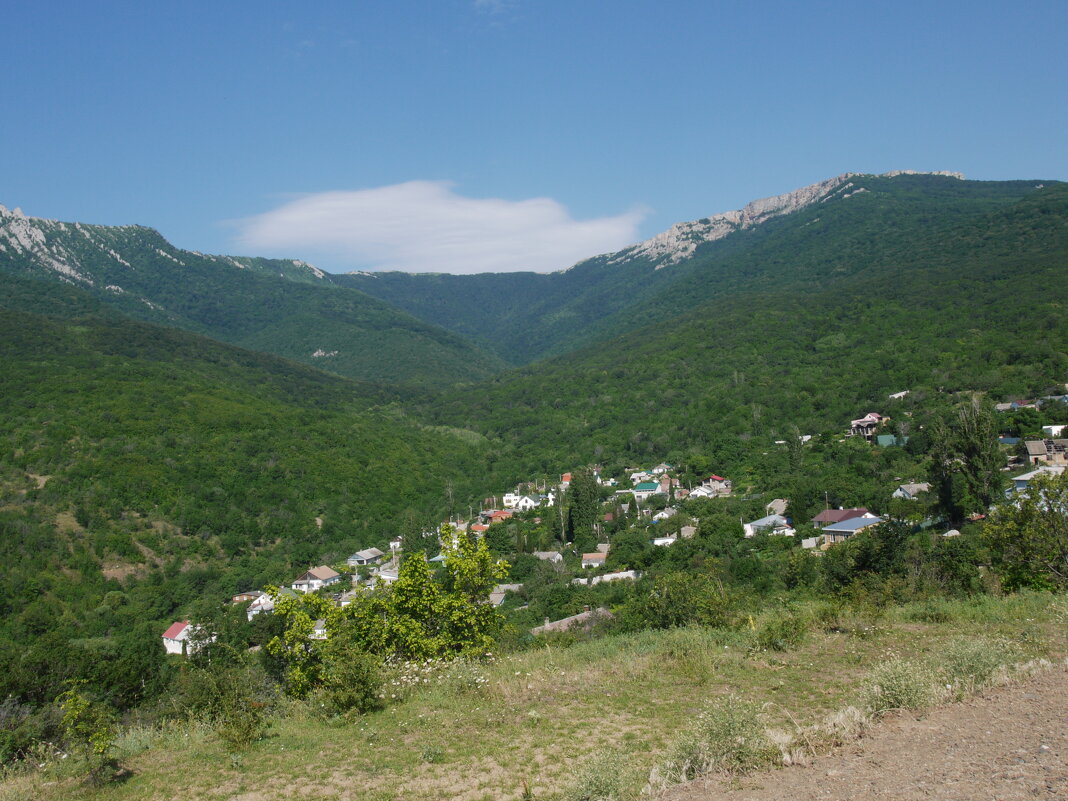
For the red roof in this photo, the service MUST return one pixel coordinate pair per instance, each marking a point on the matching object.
(175, 629)
(716, 478)
(566, 477)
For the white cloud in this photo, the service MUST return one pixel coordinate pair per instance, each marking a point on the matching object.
(423, 226)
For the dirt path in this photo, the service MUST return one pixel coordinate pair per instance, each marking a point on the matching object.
(1010, 744)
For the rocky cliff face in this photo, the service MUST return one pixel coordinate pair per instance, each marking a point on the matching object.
(682, 239)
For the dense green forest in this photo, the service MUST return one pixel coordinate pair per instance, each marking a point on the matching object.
(978, 306)
(145, 469)
(275, 306)
(885, 224)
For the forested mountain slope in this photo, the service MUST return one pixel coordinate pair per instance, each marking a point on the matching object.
(284, 307)
(974, 304)
(796, 242)
(164, 468)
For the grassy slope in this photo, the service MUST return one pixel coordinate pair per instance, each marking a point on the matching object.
(269, 305)
(544, 715)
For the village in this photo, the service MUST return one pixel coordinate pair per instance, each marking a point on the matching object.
(655, 500)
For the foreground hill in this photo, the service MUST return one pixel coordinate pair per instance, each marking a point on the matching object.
(165, 468)
(973, 303)
(796, 242)
(288, 308)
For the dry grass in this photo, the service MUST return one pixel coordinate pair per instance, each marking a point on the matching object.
(543, 717)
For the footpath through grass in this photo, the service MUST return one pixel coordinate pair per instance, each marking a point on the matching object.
(537, 721)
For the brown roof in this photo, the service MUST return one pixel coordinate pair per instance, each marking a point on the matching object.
(322, 572)
(838, 515)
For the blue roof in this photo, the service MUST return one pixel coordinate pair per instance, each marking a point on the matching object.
(852, 525)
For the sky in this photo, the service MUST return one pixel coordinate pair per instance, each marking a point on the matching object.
(497, 135)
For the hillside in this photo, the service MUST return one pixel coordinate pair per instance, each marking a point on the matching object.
(816, 234)
(288, 308)
(964, 305)
(160, 469)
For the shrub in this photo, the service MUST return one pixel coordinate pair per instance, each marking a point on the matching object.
(351, 679)
(783, 633)
(90, 730)
(970, 663)
(727, 736)
(237, 700)
(604, 776)
(900, 684)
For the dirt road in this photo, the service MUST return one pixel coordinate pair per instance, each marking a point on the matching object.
(1011, 743)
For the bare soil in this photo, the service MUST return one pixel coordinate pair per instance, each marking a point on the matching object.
(1009, 744)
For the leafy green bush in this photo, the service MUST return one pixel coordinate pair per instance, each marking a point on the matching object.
(782, 633)
(90, 730)
(351, 679)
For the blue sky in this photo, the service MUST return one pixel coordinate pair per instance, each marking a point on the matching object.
(469, 135)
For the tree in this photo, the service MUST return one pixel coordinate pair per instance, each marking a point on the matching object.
(966, 461)
(583, 503)
(1028, 538)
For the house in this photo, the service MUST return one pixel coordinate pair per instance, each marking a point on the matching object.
(593, 581)
(175, 638)
(368, 556)
(478, 529)
(318, 631)
(1047, 451)
(585, 620)
(241, 597)
(565, 481)
(347, 598)
(661, 468)
(528, 502)
(1053, 431)
(828, 516)
(774, 525)
(396, 545)
(664, 514)
(843, 530)
(497, 594)
(681, 493)
(594, 559)
(911, 492)
(1021, 483)
(717, 484)
(866, 425)
(688, 532)
(664, 541)
(501, 515)
(510, 499)
(316, 579)
(640, 476)
(265, 603)
(553, 557)
(386, 575)
(644, 489)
